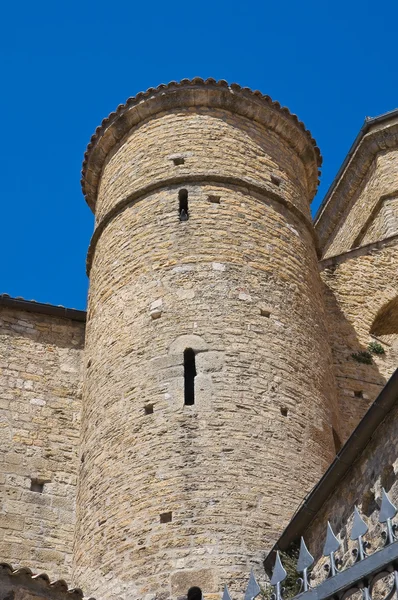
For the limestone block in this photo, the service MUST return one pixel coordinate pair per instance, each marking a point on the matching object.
(181, 581)
(183, 342)
(210, 361)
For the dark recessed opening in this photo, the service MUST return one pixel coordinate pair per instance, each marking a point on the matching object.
(89, 363)
(179, 160)
(358, 394)
(166, 517)
(148, 409)
(369, 503)
(387, 477)
(183, 205)
(214, 200)
(82, 458)
(194, 593)
(37, 485)
(265, 313)
(189, 376)
(336, 441)
(276, 180)
(284, 412)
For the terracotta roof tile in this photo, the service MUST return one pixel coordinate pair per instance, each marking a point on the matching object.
(24, 574)
(196, 81)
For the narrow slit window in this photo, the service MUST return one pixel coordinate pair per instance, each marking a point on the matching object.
(183, 205)
(189, 376)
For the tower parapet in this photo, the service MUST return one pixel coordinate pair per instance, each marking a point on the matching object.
(208, 392)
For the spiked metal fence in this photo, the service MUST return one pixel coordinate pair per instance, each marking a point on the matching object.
(360, 576)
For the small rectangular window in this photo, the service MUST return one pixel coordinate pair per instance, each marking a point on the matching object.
(37, 485)
(276, 180)
(166, 517)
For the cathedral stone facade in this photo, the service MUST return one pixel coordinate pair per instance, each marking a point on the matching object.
(231, 346)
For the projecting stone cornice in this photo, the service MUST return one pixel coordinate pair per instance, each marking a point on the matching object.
(377, 135)
(366, 249)
(197, 179)
(197, 93)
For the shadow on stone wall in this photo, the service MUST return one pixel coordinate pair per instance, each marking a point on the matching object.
(360, 373)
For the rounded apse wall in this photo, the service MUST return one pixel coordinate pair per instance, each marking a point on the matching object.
(208, 401)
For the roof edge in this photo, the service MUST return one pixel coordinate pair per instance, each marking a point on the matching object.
(366, 126)
(114, 127)
(42, 308)
(40, 584)
(345, 458)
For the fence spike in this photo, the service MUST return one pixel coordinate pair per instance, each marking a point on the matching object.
(305, 560)
(387, 509)
(332, 544)
(226, 595)
(359, 527)
(279, 573)
(387, 512)
(253, 589)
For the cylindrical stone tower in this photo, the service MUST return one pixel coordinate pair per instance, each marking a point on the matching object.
(208, 397)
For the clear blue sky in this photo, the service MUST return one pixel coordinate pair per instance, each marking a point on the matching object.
(66, 64)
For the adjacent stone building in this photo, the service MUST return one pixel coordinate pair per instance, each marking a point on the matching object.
(230, 346)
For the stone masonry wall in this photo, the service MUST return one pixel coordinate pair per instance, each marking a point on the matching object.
(384, 223)
(203, 140)
(172, 495)
(380, 182)
(40, 366)
(357, 287)
(239, 287)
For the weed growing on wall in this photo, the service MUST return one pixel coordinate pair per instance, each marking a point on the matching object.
(364, 357)
(376, 348)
